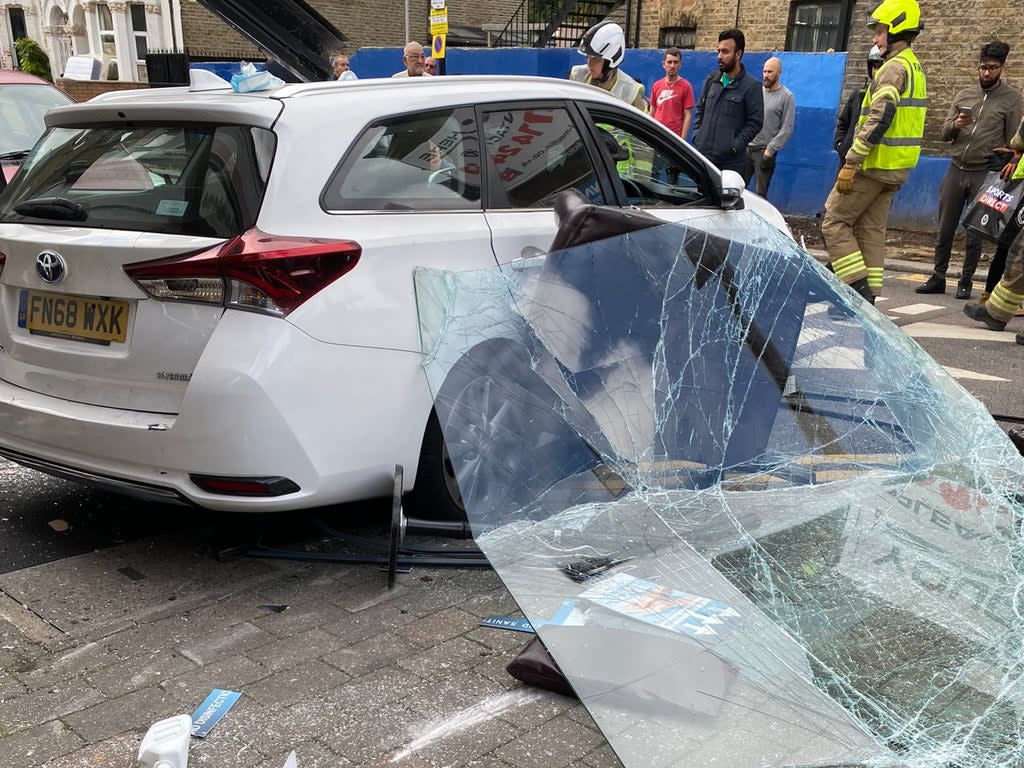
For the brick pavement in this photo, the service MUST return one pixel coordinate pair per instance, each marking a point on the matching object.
(349, 674)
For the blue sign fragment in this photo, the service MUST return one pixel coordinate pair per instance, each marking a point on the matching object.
(212, 710)
(508, 622)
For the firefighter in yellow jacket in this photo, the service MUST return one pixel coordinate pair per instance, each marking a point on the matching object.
(886, 146)
(1008, 295)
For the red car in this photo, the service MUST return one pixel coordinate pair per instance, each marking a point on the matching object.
(24, 100)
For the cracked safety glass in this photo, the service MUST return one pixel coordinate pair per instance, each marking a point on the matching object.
(752, 521)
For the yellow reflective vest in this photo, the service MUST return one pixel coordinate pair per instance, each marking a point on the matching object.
(621, 86)
(1018, 172)
(900, 146)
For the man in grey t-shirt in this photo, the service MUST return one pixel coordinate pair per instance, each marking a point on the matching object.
(779, 111)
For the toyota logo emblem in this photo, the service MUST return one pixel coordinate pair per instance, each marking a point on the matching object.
(51, 267)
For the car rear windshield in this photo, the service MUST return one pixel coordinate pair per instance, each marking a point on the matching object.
(200, 180)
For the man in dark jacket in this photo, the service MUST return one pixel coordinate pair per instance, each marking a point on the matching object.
(730, 111)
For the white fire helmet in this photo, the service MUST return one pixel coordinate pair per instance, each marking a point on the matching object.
(606, 40)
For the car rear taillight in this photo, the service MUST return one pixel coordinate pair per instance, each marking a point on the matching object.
(254, 271)
(245, 486)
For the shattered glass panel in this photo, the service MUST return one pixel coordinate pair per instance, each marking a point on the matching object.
(753, 522)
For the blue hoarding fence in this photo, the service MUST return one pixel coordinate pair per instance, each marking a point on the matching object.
(806, 167)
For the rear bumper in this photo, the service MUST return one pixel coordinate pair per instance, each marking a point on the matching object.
(265, 400)
(137, 490)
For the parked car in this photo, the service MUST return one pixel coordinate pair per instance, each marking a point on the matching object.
(209, 298)
(24, 100)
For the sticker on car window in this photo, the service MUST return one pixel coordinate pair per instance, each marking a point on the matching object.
(171, 208)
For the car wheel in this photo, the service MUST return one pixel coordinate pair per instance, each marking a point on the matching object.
(505, 436)
(436, 495)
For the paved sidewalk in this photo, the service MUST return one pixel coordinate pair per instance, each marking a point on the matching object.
(350, 674)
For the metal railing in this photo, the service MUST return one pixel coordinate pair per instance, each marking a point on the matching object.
(167, 68)
(557, 23)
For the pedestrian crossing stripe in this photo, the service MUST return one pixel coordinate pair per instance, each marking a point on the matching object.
(960, 373)
(926, 330)
(916, 309)
(820, 345)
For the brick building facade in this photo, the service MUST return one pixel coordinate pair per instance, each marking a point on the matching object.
(948, 47)
(364, 23)
(118, 33)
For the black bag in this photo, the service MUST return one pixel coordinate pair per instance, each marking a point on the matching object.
(534, 666)
(997, 205)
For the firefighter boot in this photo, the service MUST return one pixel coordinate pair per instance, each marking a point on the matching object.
(861, 287)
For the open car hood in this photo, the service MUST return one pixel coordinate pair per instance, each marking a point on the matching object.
(750, 533)
(291, 31)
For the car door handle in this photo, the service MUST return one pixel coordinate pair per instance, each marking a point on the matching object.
(530, 251)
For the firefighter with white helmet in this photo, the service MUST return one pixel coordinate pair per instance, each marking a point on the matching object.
(604, 45)
(886, 147)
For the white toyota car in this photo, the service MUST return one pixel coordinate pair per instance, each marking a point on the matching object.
(208, 296)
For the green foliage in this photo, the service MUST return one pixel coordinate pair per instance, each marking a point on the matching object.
(32, 58)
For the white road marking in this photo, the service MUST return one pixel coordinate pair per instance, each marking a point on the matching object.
(960, 373)
(836, 358)
(916, 309)
(940, 331)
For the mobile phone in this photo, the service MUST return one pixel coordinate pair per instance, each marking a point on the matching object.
(965, 111)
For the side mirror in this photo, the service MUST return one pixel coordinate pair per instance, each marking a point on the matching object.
(732, 191)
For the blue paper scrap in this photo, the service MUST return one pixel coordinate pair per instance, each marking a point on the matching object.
(212, 710)
(507, 622)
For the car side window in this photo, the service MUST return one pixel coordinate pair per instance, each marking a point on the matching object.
(653, 173)
(534, 154)
(417, 162)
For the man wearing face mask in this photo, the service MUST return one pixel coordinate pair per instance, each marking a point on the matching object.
(982, 117)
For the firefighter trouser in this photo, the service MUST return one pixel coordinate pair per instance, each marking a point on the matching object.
(1008, 295)
(854, 230)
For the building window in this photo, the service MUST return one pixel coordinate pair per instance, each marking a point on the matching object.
(107, 44)
(16, 18)
(138, 19)
(817, 26)
(678, 37)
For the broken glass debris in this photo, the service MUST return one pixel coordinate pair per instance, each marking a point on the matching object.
(752, 521)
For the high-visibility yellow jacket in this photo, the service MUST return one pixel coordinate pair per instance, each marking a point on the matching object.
(619, 84)
(1018, 144)
(892, 116)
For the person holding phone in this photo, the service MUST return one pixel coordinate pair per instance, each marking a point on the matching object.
(982, 117)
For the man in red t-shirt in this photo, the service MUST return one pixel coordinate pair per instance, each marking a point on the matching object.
(672, 96)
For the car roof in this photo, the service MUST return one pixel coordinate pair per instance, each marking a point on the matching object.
(9, 76)
(263, 107)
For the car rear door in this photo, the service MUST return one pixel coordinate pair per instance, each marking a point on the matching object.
(532, 151)
(408, 190)
(613, 157)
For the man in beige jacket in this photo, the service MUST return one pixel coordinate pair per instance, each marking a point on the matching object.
(981, 118)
